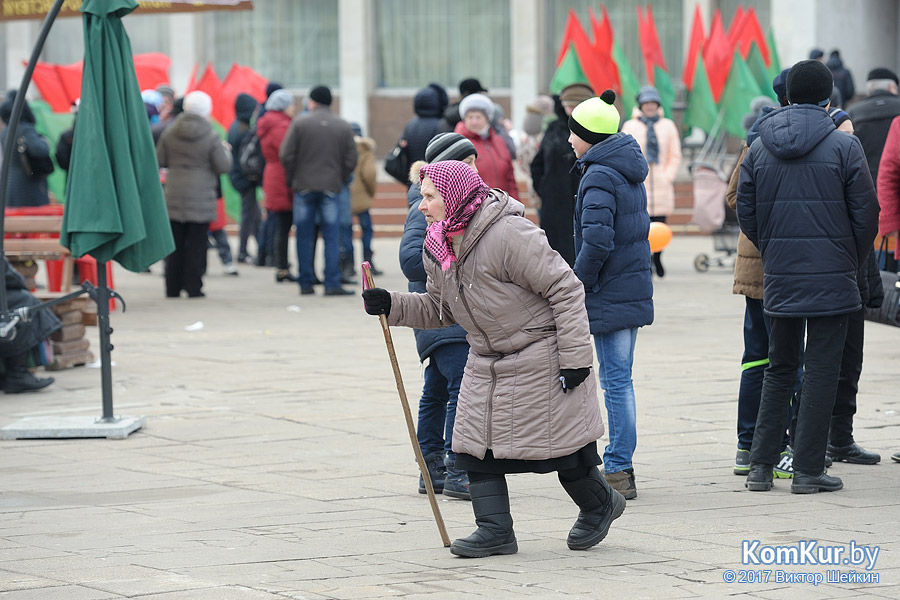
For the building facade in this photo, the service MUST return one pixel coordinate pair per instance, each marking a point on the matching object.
(375, 54)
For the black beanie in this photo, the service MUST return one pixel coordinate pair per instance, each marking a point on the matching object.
(320, 94)
(809, 82)
(882, 73)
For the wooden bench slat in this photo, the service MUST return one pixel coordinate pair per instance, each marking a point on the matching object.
(36, 224)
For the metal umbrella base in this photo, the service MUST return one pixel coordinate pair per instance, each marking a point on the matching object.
(51, 427)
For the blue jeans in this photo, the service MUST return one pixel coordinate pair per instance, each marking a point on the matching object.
(346, 223)
(308, 207)
(222, 247)
(615, 353)
(437, 406)
(753, 365)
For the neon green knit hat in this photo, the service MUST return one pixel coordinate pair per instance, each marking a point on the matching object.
(595, 119)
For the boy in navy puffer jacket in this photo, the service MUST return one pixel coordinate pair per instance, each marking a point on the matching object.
(612, 259)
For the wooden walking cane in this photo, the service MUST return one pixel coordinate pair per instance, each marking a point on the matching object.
(368, 282)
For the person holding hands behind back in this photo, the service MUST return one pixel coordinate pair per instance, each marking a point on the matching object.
(492, 271)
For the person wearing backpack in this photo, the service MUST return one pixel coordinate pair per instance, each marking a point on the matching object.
(244, 107)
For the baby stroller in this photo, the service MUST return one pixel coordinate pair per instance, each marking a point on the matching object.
(711, 213)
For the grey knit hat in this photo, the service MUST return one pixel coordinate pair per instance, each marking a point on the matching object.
(449, 146)
(279, 100)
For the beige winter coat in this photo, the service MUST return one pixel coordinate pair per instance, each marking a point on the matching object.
(748, 270)
(660, 182)
(523, 310)
(362, 189)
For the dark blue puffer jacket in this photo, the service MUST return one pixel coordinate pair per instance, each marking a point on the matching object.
(411, 264)
(244, 105)
(612, 254)
(420, 129)
(806, 200)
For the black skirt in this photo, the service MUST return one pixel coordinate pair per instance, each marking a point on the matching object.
(585, 457)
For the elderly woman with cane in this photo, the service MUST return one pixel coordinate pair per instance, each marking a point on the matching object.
(527, 403)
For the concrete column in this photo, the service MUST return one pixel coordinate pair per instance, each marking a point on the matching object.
(354, 46)
(795, 24)
(20, 38)
(183, 45)
(525, 40)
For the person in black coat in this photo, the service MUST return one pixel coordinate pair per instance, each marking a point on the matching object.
(552, 176)
(22, 189)
(251, 215)
(802, 166)
(872, 115)
(21, 351)
(843, 80)
(429, 105)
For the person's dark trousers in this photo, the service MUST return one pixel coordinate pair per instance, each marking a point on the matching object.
(222, 246)
(657, 256)
(282, 220)
(841, 433)
(187, 263)
(265, 240)
(251, 217)
(437, 406)
(824, 346)
(309, 207)
(753, 366)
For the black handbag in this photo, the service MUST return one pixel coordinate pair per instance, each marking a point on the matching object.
(396, 164)
(35, 167)
(889, 311)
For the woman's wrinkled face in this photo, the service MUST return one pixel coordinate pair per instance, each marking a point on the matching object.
(432, 204)
(475, 121)
(578, 145)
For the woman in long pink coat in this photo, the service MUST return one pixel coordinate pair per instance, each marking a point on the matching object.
(661, 145)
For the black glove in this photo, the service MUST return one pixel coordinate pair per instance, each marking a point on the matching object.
(572, 378)
(378, 301)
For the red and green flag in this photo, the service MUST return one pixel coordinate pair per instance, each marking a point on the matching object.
(717, 56)
(760, 71)
(628, 81)
(694, 45)
(649, 41)
(774, 60)
(663, 84)
(568, 72)
(739, 92)
(701, 109)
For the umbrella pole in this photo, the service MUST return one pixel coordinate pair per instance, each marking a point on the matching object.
(105, 346)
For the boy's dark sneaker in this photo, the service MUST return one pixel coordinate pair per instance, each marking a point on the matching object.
(784, 468)
(456, 484)
(434, 462)
(742, 462)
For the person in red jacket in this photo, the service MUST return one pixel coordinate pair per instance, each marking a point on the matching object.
(271, 129)
(494, 162)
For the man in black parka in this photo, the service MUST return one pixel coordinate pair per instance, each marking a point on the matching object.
(807, 201)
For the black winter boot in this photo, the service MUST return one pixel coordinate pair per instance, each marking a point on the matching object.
(367, 256)
(434, 462)
(490, 502)
(19, 379)
(348, 273)
(600, 505)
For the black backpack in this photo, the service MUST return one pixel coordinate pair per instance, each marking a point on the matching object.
(250, 157)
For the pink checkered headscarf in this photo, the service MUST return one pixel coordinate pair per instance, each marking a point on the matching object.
(463, 192)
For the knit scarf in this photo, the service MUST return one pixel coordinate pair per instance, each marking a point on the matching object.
(463, 192)
(652, 150)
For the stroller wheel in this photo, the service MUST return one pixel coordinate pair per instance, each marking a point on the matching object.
(701, 263)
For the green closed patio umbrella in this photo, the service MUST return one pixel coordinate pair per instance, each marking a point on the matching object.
(115, 208)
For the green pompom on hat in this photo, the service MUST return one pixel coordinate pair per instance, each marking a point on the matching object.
(595, 119)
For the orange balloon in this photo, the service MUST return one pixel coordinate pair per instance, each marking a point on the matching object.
(660, 236)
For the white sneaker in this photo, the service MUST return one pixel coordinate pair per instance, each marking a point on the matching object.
(230, 269)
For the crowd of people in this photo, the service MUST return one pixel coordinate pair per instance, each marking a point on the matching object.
(581, 282)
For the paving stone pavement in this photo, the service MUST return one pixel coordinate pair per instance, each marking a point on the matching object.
(275, 464)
